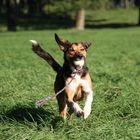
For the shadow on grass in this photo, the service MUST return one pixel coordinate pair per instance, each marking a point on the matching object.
(42, 21)
(61, 21)
(45, 21)
(109, 25)
(23, 114)
(55, 21)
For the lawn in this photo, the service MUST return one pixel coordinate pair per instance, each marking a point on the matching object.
(114, 64)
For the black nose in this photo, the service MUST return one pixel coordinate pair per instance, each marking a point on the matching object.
(78, 57)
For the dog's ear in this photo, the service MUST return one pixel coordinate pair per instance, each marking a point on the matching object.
(86, 44)
(63, 44)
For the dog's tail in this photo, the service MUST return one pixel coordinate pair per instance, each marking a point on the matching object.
(45, 55)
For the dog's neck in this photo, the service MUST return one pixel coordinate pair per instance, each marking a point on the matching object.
(69, 70)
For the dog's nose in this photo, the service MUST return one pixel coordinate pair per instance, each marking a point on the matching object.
(79, 57)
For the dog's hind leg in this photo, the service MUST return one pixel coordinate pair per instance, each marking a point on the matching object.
(71, 113)
(61, 99)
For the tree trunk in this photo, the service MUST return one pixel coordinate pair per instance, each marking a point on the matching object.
(126, 3)
(139, 15)
(1, 4)
(80, 19)
(137, 3)
(32, 7)
(11, 15)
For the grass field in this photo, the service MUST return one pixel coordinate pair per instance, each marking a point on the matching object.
(114, 64)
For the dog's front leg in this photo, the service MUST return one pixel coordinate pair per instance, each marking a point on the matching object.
(70, 92)
(88, 103)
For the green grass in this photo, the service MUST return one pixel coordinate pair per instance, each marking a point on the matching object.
(114, 64)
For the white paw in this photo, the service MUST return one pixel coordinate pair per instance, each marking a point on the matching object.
(77, 108)
(87, 111)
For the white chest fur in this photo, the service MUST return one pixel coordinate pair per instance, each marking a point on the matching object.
(78, 81)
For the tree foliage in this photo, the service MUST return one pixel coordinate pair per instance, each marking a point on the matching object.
(64, 8)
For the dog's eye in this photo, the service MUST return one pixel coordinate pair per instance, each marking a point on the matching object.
(82, 49)
(71, 50)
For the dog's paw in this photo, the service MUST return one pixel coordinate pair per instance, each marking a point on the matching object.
(80, 113)
(87, 111)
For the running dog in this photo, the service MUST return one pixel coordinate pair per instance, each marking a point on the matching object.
(74, 69)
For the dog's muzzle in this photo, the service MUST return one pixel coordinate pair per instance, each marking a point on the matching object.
(78, 61)
(78, 57)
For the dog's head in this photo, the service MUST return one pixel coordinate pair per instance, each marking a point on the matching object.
(74, 53)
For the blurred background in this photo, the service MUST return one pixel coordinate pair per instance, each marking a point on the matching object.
(78, 14)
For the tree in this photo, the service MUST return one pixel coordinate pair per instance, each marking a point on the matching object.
(125, 3)
(80, 19)
(80, 6)
(137, 3)
(11, 15)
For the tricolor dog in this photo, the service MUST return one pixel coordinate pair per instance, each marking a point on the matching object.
(74, 69)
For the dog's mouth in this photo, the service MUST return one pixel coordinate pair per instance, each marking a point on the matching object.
(78, 58)
(79, 62)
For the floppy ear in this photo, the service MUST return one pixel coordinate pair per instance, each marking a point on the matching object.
(86, 44)
(63, 44)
